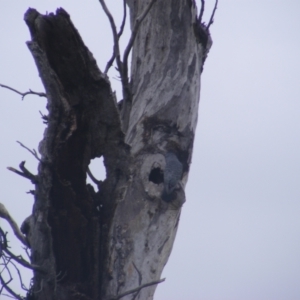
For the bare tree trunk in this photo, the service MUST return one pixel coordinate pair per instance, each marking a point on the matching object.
(166, 66)
(102, 244)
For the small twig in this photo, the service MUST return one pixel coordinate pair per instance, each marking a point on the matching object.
(9, 290)
(44, 117)
(137, 289)
(20, 277)
(7, 258)
(25, 173)
(5, 263)
(30, 92)
(93, 178)
(4, 214)
(140, 280)
(201, 11)
(139, 273)
(27, 252)
(19, 259)
(212, 16)
(33, 152)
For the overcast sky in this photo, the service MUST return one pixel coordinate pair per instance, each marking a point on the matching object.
(239, 235)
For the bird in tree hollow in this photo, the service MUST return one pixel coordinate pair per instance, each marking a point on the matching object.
(172, 176)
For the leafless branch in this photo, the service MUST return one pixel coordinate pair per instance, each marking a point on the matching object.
(137, 289)
(30, 92)
(137, 24)
(124, 19)
(19, 259)
(123, 65)
(9, 290)
(4, 214)
(93, 178)
(6, 260)
(201, 11)
(212, 16)
(110, 62)
(33, 151)
(116, 52)
(20, 277)
(25, 173)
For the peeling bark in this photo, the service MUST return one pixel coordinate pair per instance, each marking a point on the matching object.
(100, 244)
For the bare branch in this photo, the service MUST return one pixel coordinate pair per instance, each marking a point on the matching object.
(19, 259)
(33, 152)
(30, 92)
(9, 290)
(6, 260)
(20, 277)
(201, 11)
(137, 24)
(93, 178)
(4, 214)
(116, 53)
(110, 62)
(123, 66)
(137, 289)
(124, 19)
(25, 173)
(17, 172)
(212, 16)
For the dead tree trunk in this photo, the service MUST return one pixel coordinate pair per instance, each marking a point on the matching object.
(103, 244)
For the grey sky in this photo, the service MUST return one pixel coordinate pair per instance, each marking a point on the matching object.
(239, 235)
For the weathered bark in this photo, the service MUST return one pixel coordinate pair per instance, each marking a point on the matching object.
(100, 244)
(166, 66)
(83, 123)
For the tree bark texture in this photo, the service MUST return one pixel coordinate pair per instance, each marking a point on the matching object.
(101, 244)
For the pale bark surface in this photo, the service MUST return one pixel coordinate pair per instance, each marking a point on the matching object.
(100, 244)
(166, 67)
